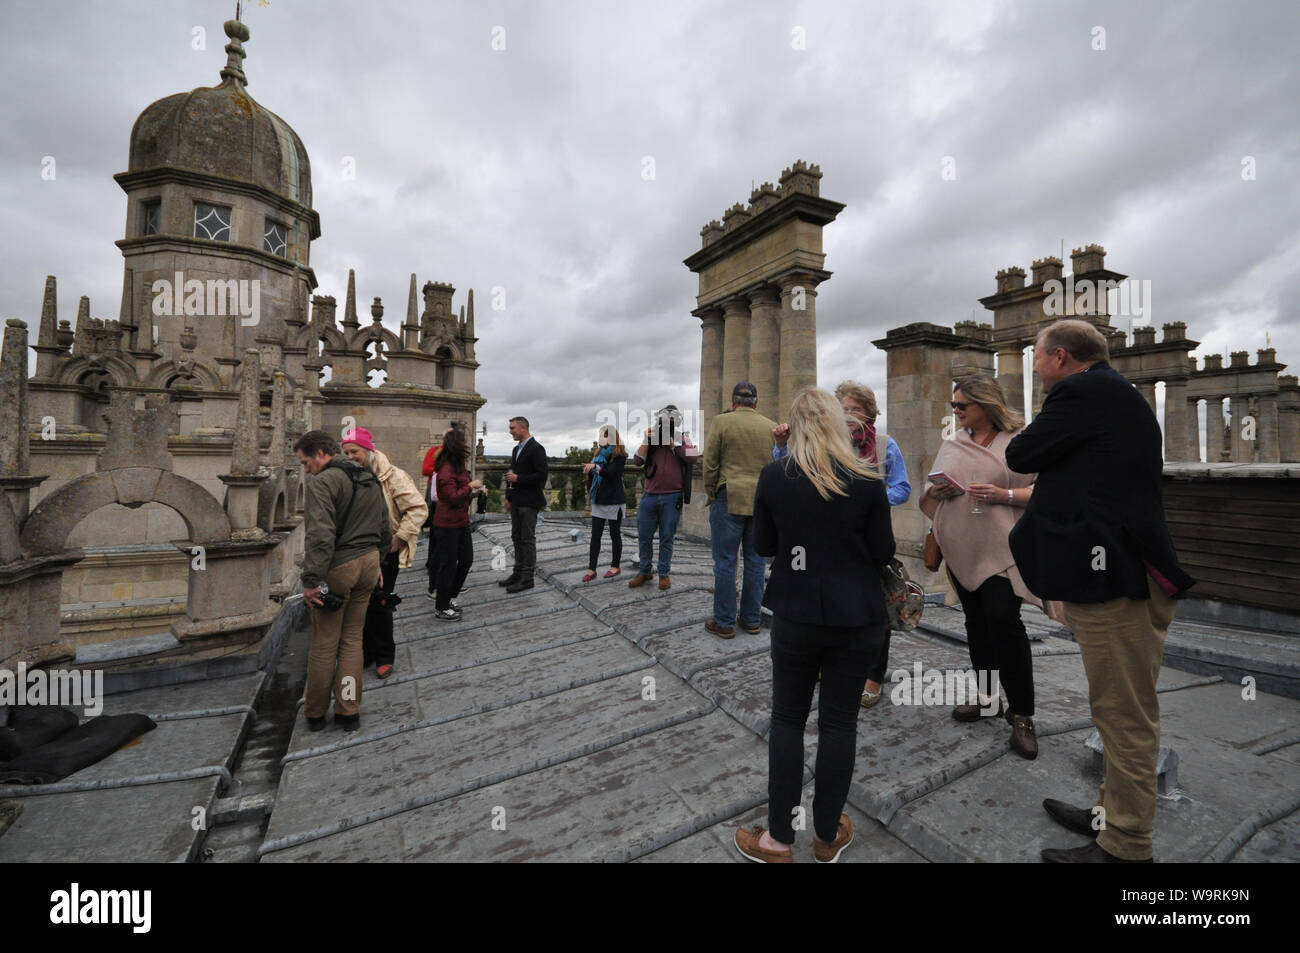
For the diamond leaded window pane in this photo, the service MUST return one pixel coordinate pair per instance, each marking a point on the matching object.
(273, 238)
(211, 221)
(153, 218)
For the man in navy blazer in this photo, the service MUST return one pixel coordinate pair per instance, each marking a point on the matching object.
(1094, 536)
(525, 498)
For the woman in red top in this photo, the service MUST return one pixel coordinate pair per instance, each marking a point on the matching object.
(431, 498)
(451, 534)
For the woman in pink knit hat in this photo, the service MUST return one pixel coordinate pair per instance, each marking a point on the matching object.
(406, 514)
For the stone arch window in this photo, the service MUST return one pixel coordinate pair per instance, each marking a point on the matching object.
(151, 219)
(273, 238)
(443, 354)
(92, 399)
(212, 222)
(376, 363)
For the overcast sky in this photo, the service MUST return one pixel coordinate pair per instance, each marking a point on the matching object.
(522, 168)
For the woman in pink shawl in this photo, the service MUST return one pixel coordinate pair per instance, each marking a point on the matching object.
(972, 512)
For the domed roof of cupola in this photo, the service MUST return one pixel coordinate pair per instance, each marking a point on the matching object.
(222, 131)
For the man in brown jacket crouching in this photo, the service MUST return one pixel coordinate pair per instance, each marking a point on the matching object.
(347, 529)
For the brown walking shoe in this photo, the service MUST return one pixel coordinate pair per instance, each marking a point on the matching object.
(747, 843)
(722, 631)
(665, 582)
(1023, 740)
(976, 712)
(640, 579)
(825, 853)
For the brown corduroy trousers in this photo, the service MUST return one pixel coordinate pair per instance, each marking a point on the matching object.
(335, 662)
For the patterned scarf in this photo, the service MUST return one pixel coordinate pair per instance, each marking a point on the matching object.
(866, 443)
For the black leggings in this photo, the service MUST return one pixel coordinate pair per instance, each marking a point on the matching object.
(996, 636)
(615, 538)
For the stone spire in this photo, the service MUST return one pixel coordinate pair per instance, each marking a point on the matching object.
(411, 329)
(469, 326)
(47, 341)
(350, 321)
(234, 69)
(81, 343)
(13, 396)
(244, 459)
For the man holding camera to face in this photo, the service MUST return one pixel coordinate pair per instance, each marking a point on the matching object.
(667, 487)
(346, 530)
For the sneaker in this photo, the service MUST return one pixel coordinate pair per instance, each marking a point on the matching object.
(746, 841)
(447, 615)
(455, 606)
(825, 853)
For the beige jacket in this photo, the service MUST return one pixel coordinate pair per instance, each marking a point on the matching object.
(739, 445)
(406, 507)
(975, 546)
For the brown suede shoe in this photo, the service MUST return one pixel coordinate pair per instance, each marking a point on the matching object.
(665, 582)
(722, 631)
(637, 581)
(747, 844)
(825, 853)
(1023, 740)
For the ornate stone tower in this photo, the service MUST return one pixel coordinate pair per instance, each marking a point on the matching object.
(759, 270)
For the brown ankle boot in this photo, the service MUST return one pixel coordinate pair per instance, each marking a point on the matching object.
(665, 582)
(637, 581)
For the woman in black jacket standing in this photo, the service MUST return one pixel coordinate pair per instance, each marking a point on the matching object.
(822, 512)
(608, 498)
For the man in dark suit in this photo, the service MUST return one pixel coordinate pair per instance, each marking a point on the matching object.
(524, 500)
(1094, 536)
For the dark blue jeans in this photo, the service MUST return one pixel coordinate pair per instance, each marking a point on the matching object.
(731, 533)
(843, 656)
(657, 511)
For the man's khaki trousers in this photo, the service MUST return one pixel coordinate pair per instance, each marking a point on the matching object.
(335, 661)
(1122, 642)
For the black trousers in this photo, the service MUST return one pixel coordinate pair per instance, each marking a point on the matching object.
(996, 636)
(881, 663)
(431, 562)
(377, 637)
(843, 656)
(455, 556)
(615, 540)
(523, 535)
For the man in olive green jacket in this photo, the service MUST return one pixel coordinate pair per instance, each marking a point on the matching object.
(739, 445)
(347, 529)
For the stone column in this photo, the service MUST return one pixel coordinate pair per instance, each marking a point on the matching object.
(735, 347)
(711, 345)
(1266, 432)
(1011, 374)
(1288, 432)
(1193, 429)
(1148, 391)
(245, 476)
(765, 344)
(798, 364)
(1242, 451)
(1176, 422)
(1214, 430)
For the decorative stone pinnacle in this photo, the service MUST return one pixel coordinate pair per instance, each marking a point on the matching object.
(377, 310)
(234, 69)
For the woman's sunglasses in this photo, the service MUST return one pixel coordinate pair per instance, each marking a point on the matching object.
(959, 405)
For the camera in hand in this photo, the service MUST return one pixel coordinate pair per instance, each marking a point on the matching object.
(329, 601)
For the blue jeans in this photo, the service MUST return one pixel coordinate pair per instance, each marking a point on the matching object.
(730, 533)
(657, 511)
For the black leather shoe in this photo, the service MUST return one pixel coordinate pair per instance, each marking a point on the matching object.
(316, 724)
(1088, 854)
(510, 580)
(519, 585)
(348, 722)
(976, 713)
(1077, 819)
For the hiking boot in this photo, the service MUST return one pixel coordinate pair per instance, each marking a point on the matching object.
(752, 629)
(1023, 740)
(639, 580)
(825, 853)
(722, 631)
(746, 841)
(665, 582)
